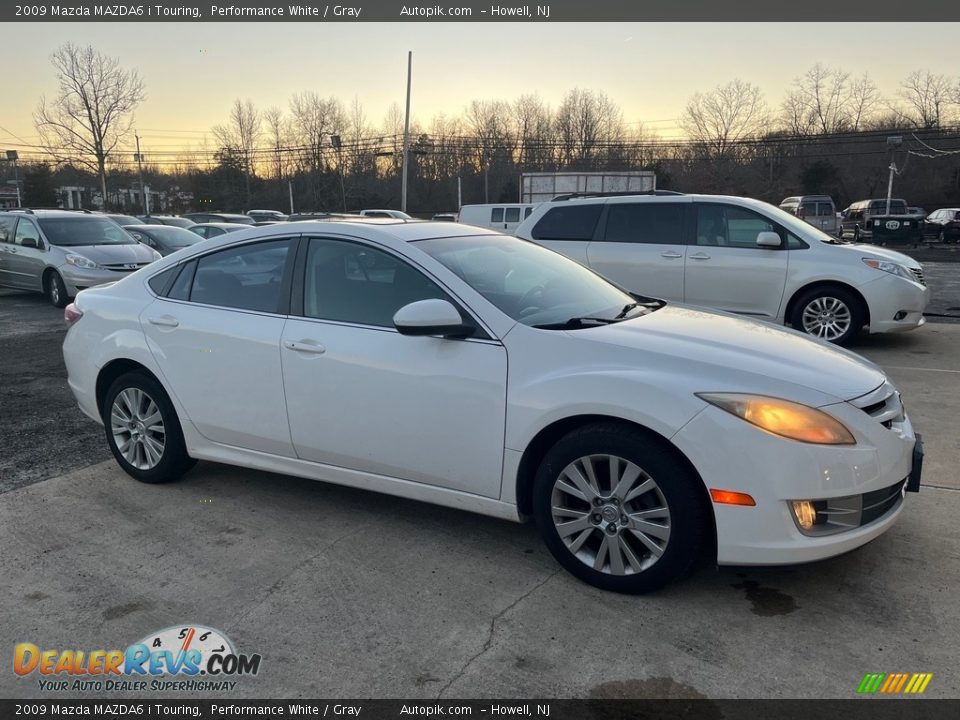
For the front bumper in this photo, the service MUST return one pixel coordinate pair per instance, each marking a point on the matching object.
(77, 279)
(776, 471)
(889, 296)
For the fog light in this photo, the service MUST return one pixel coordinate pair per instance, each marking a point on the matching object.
(805, 513)
(900, 315)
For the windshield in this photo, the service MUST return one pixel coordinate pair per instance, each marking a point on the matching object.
(799, 227)
(172, 237)
(531, 284)
(84, 230)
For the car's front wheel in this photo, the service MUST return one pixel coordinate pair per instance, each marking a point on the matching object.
(619, 509)
(830, 313)
(143, 431)
(57, 290)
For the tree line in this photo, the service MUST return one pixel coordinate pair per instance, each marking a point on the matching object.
(829, 133)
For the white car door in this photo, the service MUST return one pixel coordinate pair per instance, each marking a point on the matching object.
(726, 270)
(216, 338)
(362, 396)
(642, 248)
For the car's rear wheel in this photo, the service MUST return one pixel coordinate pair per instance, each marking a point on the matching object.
(619, 509)
(57, 290)
(142, 429)
(830, 313)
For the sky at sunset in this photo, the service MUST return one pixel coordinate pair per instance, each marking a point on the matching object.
(193, 72)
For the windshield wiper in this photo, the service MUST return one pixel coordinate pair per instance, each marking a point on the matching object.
(577, 322)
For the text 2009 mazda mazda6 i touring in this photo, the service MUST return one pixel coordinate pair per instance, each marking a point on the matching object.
(461, 367)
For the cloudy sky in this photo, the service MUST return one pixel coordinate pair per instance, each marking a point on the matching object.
(194, 71)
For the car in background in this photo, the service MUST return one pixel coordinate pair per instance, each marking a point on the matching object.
(380, 213)
(738, 255)
(943, 225)
(167, 220)
(301, 217)
(218, 217)
(267, 215)
(444, 217)
(61, 252)
(504, 217)
(165, 239)
(125, 220)
(856, 220)
(818, 210)
(213, 229)
(634, 433)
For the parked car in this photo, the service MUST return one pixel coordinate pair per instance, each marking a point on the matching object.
(212, 229)
(396, 214)
(739, 255)
(818, 210)
(125, 220)
(61, 252)
(165, 239)
(300, 217)
(504, 217)
(218, 217)
(167, 220)
(445, 217)
(943, 225)
(267, 215)
(499, 377)
(855, 221)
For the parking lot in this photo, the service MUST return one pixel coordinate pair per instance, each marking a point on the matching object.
(347, 593)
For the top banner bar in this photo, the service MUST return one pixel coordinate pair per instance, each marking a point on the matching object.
(868, 11)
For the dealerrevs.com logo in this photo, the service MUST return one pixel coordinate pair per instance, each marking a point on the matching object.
(181, 658)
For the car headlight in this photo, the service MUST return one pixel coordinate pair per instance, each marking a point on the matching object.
(782, 417)
(891, 267)
(81, 262)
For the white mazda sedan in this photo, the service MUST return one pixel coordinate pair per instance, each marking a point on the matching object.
(461, 367)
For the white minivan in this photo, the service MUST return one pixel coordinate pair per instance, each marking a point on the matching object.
(504, 217)
(736, 254)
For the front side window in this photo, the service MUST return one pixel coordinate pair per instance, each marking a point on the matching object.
(245, 278)
(647, 223)
(730, 226)
(7, 224)
(568, 222)
(354, 283)
(26, 230)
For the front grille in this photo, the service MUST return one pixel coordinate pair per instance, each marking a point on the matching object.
(849, 512)
(918, 274)
(125, 267)
(882, 404)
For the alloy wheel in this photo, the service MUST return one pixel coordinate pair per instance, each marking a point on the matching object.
(137, 427)
(827, 317)
(610, 514)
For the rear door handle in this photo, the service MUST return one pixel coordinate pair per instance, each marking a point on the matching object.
(164, 321)
(307, 346)
(671, 255)
(699, 256)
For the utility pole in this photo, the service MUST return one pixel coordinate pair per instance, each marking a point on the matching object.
(143, 189)
(335, 142)
(406, 136)
(459, 195)
(893, 171)
(893, 142)
(290, 188)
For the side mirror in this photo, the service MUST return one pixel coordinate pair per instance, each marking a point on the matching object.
(30, 243)
(431, 317)
(767, 239)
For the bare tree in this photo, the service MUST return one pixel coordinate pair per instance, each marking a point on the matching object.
(533, 126)
(276, 135)
(929, 98)
(586, 122)
(489, 122)
(92, 111)
(864, 100)
(724, 116)
(241, 135)
(826, 100)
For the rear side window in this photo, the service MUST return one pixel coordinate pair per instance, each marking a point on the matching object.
(7, 224)
(245, 278)
(568, 222)
(496, 215)
(512, 215)
(648, 223)
(158, 283)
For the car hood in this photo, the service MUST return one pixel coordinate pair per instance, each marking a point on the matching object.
(113, 254)
(771, 355)
(880, 253)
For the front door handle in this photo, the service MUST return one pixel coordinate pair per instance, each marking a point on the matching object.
(671, 255)
(164, 321)
(699, 256)
(307, 346)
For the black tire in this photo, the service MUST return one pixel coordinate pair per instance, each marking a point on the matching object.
(173, 461)
(678, 486)
(856, 234)
(835, 292)
(942, 237)
(57, 290)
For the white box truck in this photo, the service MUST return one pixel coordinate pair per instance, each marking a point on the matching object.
(542, 186)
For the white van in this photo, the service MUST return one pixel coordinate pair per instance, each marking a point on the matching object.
(500, 216)
(818, 210)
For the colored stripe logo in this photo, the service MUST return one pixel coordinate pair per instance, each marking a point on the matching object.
(894, 683)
